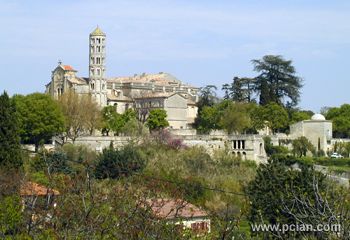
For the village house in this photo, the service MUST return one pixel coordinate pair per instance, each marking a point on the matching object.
(182, 213)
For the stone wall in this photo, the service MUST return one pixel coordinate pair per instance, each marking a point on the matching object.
(248, 147)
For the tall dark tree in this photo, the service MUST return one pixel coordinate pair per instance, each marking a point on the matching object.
(277, 81)
(207, 96)
(240, 90)
(227, 88)
(10, 148)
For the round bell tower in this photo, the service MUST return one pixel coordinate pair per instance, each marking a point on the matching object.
(97, 59)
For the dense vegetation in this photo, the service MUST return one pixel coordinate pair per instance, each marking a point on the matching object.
(104, 195)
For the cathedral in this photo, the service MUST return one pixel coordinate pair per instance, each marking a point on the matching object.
(141, 92)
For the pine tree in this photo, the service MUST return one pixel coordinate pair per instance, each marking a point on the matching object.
(10, 148)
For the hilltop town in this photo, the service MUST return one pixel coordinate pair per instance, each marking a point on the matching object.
(148, 156)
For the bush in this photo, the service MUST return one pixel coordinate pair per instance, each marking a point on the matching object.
(271, 149)
(56, 162)
(113, 163)
(10, 215)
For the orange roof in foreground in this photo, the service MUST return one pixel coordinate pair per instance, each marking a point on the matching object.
(34, 189)
(171, 208)
(68, 68)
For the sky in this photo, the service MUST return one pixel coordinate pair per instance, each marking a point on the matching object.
(201, 42)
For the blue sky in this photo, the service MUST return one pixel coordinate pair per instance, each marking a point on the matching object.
(200, 42)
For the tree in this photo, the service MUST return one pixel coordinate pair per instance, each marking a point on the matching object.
(274, 191)
(207, 97)
(297, 116)
(92, 113)
(157, 119)
(113, 163)
(340, 117)
(235, 118)
(277, 81)
(240, 90)
(40, 118)
(208, 119)
(272, 115)
(81, 114)
(10, 148)
(112, 121)
(301, 146)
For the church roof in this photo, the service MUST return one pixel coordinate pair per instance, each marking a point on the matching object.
(67, 68)
(97, 32)
(78, 80)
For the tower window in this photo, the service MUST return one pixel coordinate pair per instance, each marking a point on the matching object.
(98, 72)
(98, 40)
(92, 86)
(98, 60)
(98, 49)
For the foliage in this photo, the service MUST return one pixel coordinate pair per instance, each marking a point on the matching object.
(301, 146)
(343, 148)
(81, 113)
(110, 118)
(341, 120)
(276, 81)
(270, 149)
(240, 90)
(271, 115)
(163, 137)
(230, 116)
(274, 190)
(10, 148)
(10, 215)
(207, 119)
(297, 116)
(207, 97)
(40, 118)
(157, 119)
(113, 163)
(235, 118)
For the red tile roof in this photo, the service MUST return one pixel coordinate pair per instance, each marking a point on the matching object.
(68, 68)
(34, 189)
(171, 208)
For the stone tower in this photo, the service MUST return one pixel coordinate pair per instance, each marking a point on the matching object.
(97, 58)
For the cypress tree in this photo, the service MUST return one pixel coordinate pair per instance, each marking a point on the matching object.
(10, 148)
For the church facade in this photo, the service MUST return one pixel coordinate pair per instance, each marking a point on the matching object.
(141, 92)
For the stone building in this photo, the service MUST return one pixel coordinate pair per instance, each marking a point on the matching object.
(318, 130)
(140, 91)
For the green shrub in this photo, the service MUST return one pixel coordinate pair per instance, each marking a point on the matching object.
(10, 215)
(114, 163)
